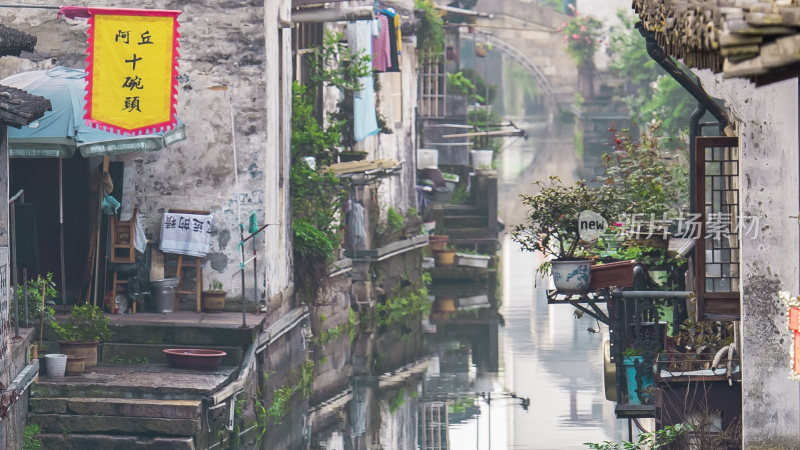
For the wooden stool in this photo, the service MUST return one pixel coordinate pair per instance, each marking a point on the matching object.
(189, 261)
(115, 285)
(197, 263)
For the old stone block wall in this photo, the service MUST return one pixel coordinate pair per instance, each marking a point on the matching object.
(241, 47)
(767, 119)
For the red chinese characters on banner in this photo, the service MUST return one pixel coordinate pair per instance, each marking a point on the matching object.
(132, 70)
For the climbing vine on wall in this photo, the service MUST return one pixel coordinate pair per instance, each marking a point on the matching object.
(317, 195)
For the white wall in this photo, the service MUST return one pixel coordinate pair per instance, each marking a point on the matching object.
(768, 134)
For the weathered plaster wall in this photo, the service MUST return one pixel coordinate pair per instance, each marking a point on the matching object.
(401, 88)
(768, 129)
(235, 44)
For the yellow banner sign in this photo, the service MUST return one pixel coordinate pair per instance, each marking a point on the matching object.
(132, 70)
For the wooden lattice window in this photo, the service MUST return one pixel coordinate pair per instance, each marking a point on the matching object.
(305, 38)
(432, 88)
(717, 255)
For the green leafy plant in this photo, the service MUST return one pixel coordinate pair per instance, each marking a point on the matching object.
(403, 305)
(704, 337)
(651, 181)
(430, 31)
(39, 311)
(460, 195)
(317, 194)
(464, 86)
(582, 34)
(215, 285)
(86, 324)
(650, 440)
(29, 441)
(657, 95)
(551, 227)
(395, 220)
(396, 401)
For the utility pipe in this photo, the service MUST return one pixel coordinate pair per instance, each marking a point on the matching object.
(651, 294)
(462, 11)
(333, 15)
(694, 131)
(694, 88)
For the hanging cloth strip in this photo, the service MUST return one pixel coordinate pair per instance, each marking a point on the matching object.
(381, 47)
(365, 122)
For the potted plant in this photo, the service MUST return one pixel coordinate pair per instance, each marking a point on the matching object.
(444, 257)
(213, 299)
(82, 332)
(437, 241)
(613, 274)
(472, 260)
(552, 229)
(638, 376)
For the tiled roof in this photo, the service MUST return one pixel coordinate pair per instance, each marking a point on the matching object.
(18, 108)
(13, 42)
(757, 40)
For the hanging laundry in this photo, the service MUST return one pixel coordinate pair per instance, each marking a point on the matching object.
(394, 65)
(365, 123)
(381, 47)
(399, 34)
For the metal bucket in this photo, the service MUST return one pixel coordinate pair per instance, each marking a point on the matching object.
(164, 293)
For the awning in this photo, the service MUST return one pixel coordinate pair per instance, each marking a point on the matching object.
(62, 131)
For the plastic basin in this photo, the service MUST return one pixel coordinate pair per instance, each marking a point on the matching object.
(194, 358)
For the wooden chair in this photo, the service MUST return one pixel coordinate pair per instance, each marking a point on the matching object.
(123, 251)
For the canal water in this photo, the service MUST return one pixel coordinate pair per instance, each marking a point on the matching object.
(501, 370)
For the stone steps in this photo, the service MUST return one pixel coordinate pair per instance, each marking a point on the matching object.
(116, 423)
(74, 423)
(454, 222)
(130, 407)
(74, 441)
(150, 381)
(470, 233)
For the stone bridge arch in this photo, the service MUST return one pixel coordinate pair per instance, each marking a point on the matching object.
(528, 34)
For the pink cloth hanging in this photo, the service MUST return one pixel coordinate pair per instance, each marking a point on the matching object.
(381, 50)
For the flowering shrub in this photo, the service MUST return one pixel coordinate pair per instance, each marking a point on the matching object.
(583, 36)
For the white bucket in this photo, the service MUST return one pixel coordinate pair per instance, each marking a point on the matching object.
(481, 159)
(55, 363)
(427, 157)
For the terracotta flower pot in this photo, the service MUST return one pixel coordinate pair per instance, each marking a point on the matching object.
(615, 274)
(213, 301)
(75, 365)
(437, 242)
(444, 257)
(87, 349)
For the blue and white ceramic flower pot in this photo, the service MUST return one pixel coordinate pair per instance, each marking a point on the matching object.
(571, 277)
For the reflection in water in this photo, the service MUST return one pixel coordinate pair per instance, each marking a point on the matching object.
(534, 382)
